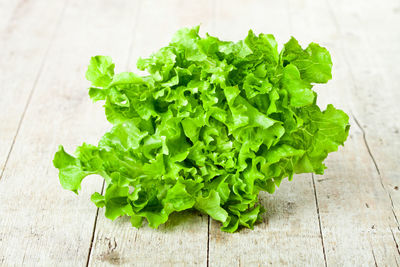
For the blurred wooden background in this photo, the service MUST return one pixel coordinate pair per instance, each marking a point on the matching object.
(348, 216)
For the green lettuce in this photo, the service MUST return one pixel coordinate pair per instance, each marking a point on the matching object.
(211, 125)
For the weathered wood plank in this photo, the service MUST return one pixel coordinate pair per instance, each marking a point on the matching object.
(21, 64)
(288, 236)
(371, 47)
(290, 232)
(372, 35)
(358, 223)
(40, 223)
(182, 241)
(7, 9)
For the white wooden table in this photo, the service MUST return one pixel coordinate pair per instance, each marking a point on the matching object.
(348, 216)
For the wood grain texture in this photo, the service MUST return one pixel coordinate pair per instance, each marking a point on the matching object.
(21, 64)
(372, 35)
(289, 234)
(291, 221)
(182, 241)
(347, 217)
(7, 9)
(356, 218)
(40, 223)
(358, 223)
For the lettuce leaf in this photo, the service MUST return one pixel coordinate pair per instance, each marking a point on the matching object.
(211, 125)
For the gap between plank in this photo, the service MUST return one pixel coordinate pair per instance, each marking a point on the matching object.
(373, 255)
(42, 63)
(288, 5)
(208, 241)
(397, 264)
(134, 26)
(397, 245)
(377, 169)
(319, 220)
(367, 146)
(332, 14)
(333, 17)
(94, 230)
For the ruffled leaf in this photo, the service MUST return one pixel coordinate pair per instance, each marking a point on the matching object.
(212, 125)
